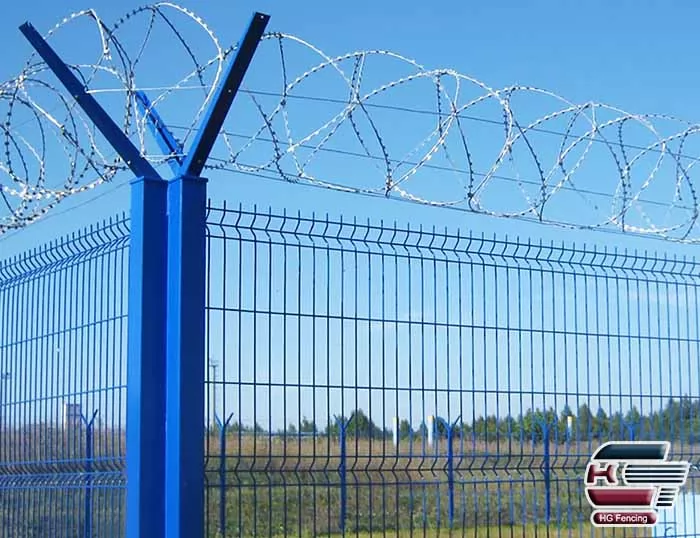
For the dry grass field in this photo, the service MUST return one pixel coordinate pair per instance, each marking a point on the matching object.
(518, 531)
(270, 486)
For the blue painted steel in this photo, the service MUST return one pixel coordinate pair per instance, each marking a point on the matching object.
(63, 311)
(450, 430)
(181, 322)
(547, 472)
(224, 96)
(313, 318)
(114, 135)
(184, 497)
(146, 372)
(223, 429)
(166, 140)
(296, 315)
(186, 364)
(89, 423)
(342, 471)
(63, 327)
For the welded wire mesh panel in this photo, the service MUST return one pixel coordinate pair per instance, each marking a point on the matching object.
(366, 377)
(62, 395)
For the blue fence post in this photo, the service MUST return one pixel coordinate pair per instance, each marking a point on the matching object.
(546, 470)
(342, 471)
(631, 427)
(165, 405)
(185, 321)
(411, 507)
(449, 431)
(147, 298)
(426, 432)
(88, 471)
(145, 431)
(185, 329)
(450, 477)
(223, 426)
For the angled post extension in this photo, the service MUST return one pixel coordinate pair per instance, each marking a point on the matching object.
(147, 295)
(165, 465)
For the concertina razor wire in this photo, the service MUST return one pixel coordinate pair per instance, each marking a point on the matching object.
(371, 122)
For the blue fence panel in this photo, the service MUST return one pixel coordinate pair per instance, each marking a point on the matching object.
(362, 378)
(370, 378)
(63, 318)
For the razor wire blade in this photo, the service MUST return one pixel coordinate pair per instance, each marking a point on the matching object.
(369, 122)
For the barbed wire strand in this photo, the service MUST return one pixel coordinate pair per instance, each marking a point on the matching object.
(52, 151)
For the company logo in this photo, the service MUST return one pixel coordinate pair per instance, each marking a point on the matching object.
(628, 482)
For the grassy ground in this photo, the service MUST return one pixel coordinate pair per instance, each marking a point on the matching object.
(529, 531)
(295, 489)
(268, 487)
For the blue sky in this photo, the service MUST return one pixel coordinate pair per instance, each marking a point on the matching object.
(564, 48)
(629, 55)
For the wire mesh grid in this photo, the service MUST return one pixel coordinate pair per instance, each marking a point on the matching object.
(376, 378)
(63, 313)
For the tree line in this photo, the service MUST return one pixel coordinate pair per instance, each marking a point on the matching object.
(679, 419)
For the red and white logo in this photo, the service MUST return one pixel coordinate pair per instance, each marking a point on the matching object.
(628, 482)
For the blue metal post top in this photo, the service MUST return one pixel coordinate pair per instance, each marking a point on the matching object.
(193, 164)
(111, 131)
(165, 138)
(213, 121)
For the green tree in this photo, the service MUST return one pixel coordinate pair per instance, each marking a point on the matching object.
(333, 428)
(672, 419)
(509, 427)
(307, 426)
(617, 426)
(465, 429)
(533, 422)
(694, 429)
(257, 428)
(405, 430)
(633, 416)
(492, 427)
(440, 429)
(584, 420)
(422, 432)
(680, 416)
(563, 423)
(357, 425)
(601, 424)
(653, 425)
(686, 408)
(360, 425)
(527, 422)
(479, 428)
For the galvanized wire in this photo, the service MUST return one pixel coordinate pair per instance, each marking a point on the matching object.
(372, 122)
